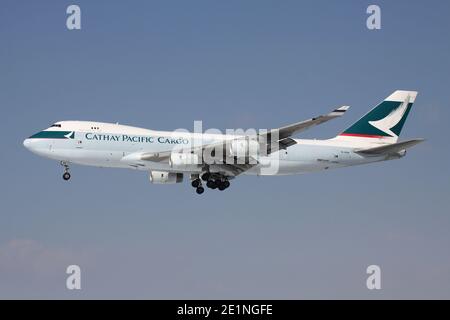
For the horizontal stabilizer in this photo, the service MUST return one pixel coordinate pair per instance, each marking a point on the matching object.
(390, 148)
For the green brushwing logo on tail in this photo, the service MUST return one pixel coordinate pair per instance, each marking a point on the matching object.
(385, 120)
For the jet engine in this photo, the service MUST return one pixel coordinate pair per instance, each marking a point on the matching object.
(244, 148)
(396, 155)
(164, 177)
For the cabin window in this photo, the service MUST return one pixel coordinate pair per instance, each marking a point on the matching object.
(56, 125)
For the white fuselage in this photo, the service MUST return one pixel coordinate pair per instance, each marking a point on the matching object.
(113, 145)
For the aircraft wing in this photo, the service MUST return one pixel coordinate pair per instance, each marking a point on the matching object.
(284, 139)
(284, 133)
(289, 130)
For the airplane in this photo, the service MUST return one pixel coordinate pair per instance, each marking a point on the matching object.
(215, 159)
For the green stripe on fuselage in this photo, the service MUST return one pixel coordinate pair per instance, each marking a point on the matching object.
(53, 135)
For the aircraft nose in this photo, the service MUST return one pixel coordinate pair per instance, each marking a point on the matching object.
(27, 143)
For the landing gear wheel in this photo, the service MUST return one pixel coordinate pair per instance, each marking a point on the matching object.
(206, 176)
(200, 190)
(217, 183)
(221, 186)
(196, 183)
(226, 184)
(66, 175)
(211, 184)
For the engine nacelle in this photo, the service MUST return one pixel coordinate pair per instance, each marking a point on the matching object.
(244, 148)
(396, 155)
(164, 177)
(184, 160)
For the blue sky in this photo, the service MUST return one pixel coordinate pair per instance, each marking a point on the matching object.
(231, 64)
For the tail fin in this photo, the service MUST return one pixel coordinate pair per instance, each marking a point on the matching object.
(386, 120)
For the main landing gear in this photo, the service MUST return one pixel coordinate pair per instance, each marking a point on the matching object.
(66, 175)
(220, 184)
(197, 184)
(213, 181)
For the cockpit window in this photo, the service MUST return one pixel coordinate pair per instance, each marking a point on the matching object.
(56, 125)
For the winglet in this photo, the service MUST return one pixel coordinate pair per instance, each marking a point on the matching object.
(339, 111)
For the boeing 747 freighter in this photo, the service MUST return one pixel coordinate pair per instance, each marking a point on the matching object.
(215, 159)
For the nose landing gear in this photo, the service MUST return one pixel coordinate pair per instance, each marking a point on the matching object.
(66, 175)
